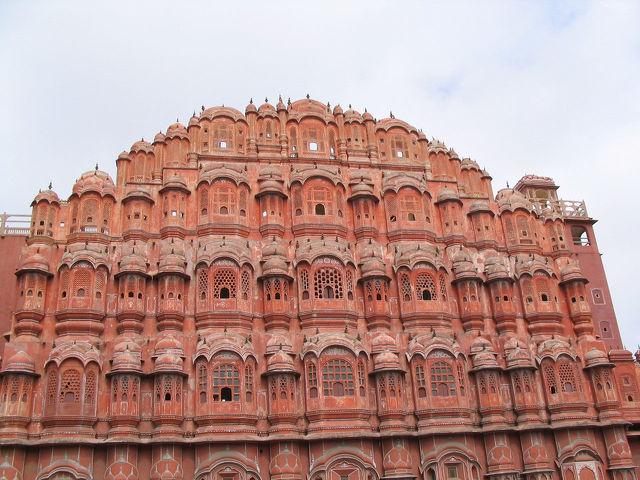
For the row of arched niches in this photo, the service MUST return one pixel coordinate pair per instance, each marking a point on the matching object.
(297, 270)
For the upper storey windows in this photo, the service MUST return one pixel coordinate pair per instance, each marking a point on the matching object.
(82, 286)
(318, 206)
(91, 214)
(223, 136)
(312, 138)
(223, 201)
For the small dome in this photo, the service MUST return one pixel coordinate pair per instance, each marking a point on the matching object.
(480, 206)
(453, 155)
(446, 194)
(436, 146)
(168, 344)
(34, 262)
(194, 121)
(422, 136)
(468, 164)
(495, 269)
(172, 258)
(142, 146)
(383, 343)
(373, 266)
(509, 199)
(177, 130)
(280, 106)
(159, 138)
(266, 108)
(337, 110)
(168, 362)
(280, 362)
(46, 196)
(278, 342)
(571, 272)
(128, 361)
(124, 156)
(133, 262)
(251, 108)
(175, 182)
(386, 361)
(366, 116)
(20, 362)
(485, 359)
(463, 265)
(361, 189)
(352, 116)
(94, 181)
(596, 358)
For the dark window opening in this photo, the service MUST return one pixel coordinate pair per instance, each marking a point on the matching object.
(224, 292)
(426, 295)
(320, 209)
(225, 394)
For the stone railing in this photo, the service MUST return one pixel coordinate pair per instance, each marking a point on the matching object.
(565, 208)
(15, 225)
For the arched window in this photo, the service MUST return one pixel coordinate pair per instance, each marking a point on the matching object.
(567, 374)
(580, 236)
(224, 283)
(421, 381)
(550, 377)
(224, 197)
(226, 383)
(327, 282)
(319, 200)
(337, 378)
(425, 287)
(312, 379)
(442, 380)
(204, 201)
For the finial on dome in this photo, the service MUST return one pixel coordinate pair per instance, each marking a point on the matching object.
(251, 101)
(391, 114)
(50, 185)
(289, 101)
(349, 105)
(279, 98)
(177, 121)
(507, 183)
(328, 105)
(96, 166)
(202, 108)
(365, 109)
(266, 100)
(308, 97)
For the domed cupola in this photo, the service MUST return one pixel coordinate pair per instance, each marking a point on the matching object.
(172, 259)
(281, 362)
(20, 362)
(266, 109)
(95, 181)
(159, 138)
(275, 261)
(33, 261)
(463, 265)
(141, 146)
(133, 260)
(483, 354)
(512, 200)
(251, 108)
(177, 130)
(447, 194)
(48, 196)
(126, 358)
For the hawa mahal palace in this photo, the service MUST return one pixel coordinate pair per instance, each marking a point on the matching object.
(306, 293)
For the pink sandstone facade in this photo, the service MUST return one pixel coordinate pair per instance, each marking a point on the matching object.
(307, 293)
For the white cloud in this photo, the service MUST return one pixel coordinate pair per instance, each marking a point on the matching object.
(522, 87)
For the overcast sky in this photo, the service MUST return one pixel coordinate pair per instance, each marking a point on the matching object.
(550, 88)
